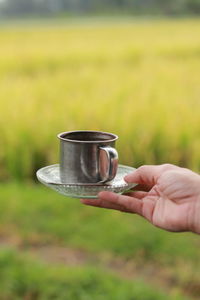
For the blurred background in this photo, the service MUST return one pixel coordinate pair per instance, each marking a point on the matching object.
(122, 66)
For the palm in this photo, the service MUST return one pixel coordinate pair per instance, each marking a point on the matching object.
(170, 202)
(165, 210)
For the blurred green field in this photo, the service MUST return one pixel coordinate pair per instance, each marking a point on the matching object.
(58, 282)
(138, 79)
(90, 253)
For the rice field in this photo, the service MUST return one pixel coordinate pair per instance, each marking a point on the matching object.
(138, 79)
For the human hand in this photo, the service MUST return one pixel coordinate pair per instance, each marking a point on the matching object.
(171, 200)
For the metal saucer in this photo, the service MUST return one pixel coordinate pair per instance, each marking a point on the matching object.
(50, 176)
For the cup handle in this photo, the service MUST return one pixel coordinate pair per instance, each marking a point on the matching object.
(108, 162)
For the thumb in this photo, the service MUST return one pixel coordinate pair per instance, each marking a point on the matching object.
(145, 175)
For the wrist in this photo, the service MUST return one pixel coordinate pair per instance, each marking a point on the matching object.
(196, 217)
(195, 212)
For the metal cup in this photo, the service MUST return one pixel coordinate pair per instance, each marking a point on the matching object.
(87, 157)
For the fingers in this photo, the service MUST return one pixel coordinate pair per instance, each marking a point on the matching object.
(135, 202)
(128, 203)
(102, 203)
(148, 175)
(115, 201)
(137, 194)
(142, 187)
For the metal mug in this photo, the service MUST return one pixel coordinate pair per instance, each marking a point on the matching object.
(87, 157)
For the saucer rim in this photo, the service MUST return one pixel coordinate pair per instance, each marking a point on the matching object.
(78, 184)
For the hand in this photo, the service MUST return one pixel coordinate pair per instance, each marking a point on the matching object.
(171, 200)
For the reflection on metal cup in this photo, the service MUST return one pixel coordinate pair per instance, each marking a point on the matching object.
(87, 157)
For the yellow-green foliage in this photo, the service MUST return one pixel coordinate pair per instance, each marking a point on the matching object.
(138, 79)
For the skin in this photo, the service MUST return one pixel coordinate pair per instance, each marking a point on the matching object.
(167, 196)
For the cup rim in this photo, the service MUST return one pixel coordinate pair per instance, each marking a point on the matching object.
(113, 136)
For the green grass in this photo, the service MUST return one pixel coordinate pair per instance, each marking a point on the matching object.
(34, 215)
(34, 212)
(139, 80)
(24, 278)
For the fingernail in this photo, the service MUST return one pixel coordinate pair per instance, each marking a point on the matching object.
(100, 194)
(127, 178)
